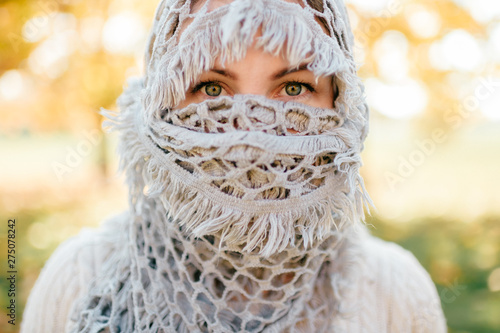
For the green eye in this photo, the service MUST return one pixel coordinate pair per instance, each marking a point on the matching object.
(213, 89)
(293, 89)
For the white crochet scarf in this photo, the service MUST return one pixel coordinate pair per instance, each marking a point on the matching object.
(236, 224)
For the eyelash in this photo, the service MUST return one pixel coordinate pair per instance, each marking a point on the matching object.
(200, 85)
(305, 84)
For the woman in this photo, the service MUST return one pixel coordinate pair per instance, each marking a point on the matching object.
(242, 147)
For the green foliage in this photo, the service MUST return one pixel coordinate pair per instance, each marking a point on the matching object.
(460, 258)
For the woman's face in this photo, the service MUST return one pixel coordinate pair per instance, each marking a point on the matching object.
(260, 73)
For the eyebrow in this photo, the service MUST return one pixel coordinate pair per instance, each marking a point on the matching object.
(226, 73)
(275, 76)
(280, 74)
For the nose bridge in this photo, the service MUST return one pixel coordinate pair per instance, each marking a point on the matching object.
(254, 70)
(253, 87)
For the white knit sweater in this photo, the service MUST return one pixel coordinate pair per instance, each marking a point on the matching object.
(397, 293)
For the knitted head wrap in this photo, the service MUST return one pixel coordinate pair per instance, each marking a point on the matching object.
(236, 223)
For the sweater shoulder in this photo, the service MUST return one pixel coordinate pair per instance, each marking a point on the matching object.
(405, 294)
(65, 278)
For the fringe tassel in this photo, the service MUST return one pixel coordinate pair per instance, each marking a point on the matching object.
(264, 232)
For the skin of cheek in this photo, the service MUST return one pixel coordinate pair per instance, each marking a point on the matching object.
(324, 93)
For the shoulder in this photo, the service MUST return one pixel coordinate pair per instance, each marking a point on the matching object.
(403, 292)
(66, 276)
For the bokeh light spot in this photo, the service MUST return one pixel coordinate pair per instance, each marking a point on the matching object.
(494, 42)
(391, 53)
(39, 236)
(123, 33)
(458, 50)
(11, 85)
(400, 100)
(424, 23)
(36, 28)
(371, 5)
(490, 106)
(482, 10)
(50, 58)
(494, 280)
(91, 33)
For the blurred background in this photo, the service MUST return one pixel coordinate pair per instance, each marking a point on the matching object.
(432, 159)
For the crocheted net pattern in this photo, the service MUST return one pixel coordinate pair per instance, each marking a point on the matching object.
(239, 223)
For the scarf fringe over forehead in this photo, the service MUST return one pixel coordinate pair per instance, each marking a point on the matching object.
(175, 59)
